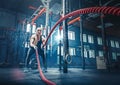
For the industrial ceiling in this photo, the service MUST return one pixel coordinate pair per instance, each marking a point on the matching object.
(28, 7)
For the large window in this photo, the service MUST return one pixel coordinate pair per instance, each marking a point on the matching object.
(72, 51)
(100, 53)
(90, 39)
(59, 50)
(117, 44)
(112, 43)
(118, 54)
(71, 35)
(28, 29)
(26, 44)
(84, 38)
(99, 40)
(85, 53)
(113, 55)
(91, 54)
(33, 28)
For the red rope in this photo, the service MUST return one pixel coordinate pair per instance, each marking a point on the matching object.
(39, 14)
(48, 82)
(104, 10)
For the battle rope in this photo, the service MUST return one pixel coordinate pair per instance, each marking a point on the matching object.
(104, 10)
(48, 82)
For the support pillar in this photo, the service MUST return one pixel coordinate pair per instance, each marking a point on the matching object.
(105, 50)
(65, 37)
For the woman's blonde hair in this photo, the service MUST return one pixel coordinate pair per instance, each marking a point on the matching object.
(39, 28)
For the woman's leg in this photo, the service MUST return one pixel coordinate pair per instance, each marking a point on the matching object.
(29, 54)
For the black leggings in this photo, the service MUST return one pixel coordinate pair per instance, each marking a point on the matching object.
(30, 52)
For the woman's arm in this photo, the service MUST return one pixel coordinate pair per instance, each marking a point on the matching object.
(43, 40)
(32, 39)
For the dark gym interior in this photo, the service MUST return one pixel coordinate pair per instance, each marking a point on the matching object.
(81, 42)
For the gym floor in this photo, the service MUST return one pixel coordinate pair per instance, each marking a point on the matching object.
(75, 76)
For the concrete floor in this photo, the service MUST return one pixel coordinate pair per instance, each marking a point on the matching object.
(75, 76)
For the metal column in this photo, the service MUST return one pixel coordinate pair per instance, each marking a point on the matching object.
(81, 39)
(65, 37)
(46, 28)
(105, 50)
(60, 44)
